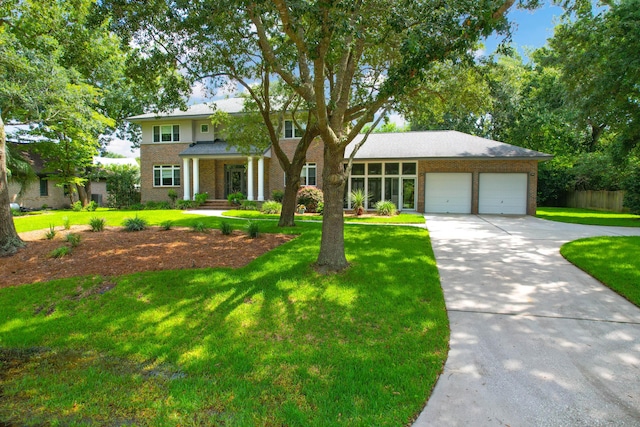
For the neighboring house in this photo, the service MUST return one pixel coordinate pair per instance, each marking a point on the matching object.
(433, 171)
(45, 191)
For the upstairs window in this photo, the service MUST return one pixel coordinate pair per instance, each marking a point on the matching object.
(166, 133)
(291, 131)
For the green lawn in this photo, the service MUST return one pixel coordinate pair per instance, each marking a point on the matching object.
(589, 217)
(612, 260)
(403, 218)
(272, 343)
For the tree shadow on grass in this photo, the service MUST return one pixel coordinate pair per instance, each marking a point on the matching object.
(271, 343)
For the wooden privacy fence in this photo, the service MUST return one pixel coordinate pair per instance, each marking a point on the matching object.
(605, 200)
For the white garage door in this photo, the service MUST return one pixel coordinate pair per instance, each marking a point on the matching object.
(503, 193)
(447, 193)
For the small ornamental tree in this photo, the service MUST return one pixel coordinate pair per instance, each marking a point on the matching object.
(122, 186)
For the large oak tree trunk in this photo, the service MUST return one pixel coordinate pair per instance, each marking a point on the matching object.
(9, 240)
(289, 200)
(332, 256)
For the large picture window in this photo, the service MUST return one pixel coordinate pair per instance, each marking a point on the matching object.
(393, 181)
(166, 133)
(291, 131)
(166, 176)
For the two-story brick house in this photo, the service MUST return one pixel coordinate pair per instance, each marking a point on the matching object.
(433, 171)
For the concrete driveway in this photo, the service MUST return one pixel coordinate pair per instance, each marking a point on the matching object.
(534, 340)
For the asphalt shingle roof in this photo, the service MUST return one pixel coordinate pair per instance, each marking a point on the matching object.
(231, 105)
(217, 148)
(437, 144)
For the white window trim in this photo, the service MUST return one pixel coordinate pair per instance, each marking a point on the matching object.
(382, 176)
(294, 129)
(153, 133)
(160, 168)
(305, 173)
(305, 168)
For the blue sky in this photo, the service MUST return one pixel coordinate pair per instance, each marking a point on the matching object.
(531, 28)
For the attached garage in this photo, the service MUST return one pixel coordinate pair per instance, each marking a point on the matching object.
(448, 192)
(502, 193)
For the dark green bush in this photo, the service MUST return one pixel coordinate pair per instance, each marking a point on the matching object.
(310, 197)
(253, 229)
(235, 198)
(226, 228)
(122, 183)
(97, 224)
(201, 198)
(76, 206)
(135, 224)
(277, 195)
(92, 206)
(184, 204)
(73, 239)
(632, 190)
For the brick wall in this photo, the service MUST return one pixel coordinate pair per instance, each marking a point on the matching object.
(530, 167)
(275, 173)
(159, 154)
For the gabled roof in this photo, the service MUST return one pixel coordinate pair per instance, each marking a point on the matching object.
(447, 144)
(217, 148)
(231, 105)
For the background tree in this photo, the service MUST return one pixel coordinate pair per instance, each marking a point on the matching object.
(345, 60)
(62, 69)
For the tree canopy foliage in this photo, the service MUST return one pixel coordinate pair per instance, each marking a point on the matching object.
(345, 60)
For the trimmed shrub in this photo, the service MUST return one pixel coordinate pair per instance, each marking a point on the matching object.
(249, 205)
(201, 198)
(271, 207)
(226, 228)
(253, 229)
(173, 196)
(277, 195)
(92, 206)
(97, 224)
(135, 224)
(235, 198)
(310, 197)
(184, 204)
(76, 206)
(151, 205)
(386, 208)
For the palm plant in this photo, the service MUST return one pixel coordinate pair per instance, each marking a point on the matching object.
(358, 200)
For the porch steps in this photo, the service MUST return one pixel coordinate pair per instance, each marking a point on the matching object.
(218, 204)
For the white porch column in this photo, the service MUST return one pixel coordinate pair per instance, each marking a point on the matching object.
(196, 176)
(261, 179)
(250, 178)
(187, 182)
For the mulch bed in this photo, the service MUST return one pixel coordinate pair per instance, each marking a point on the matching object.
(115, 252)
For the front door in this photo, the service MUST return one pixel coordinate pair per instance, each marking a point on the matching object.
(235, 179)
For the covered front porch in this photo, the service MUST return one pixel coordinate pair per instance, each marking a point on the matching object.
(219, 170)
